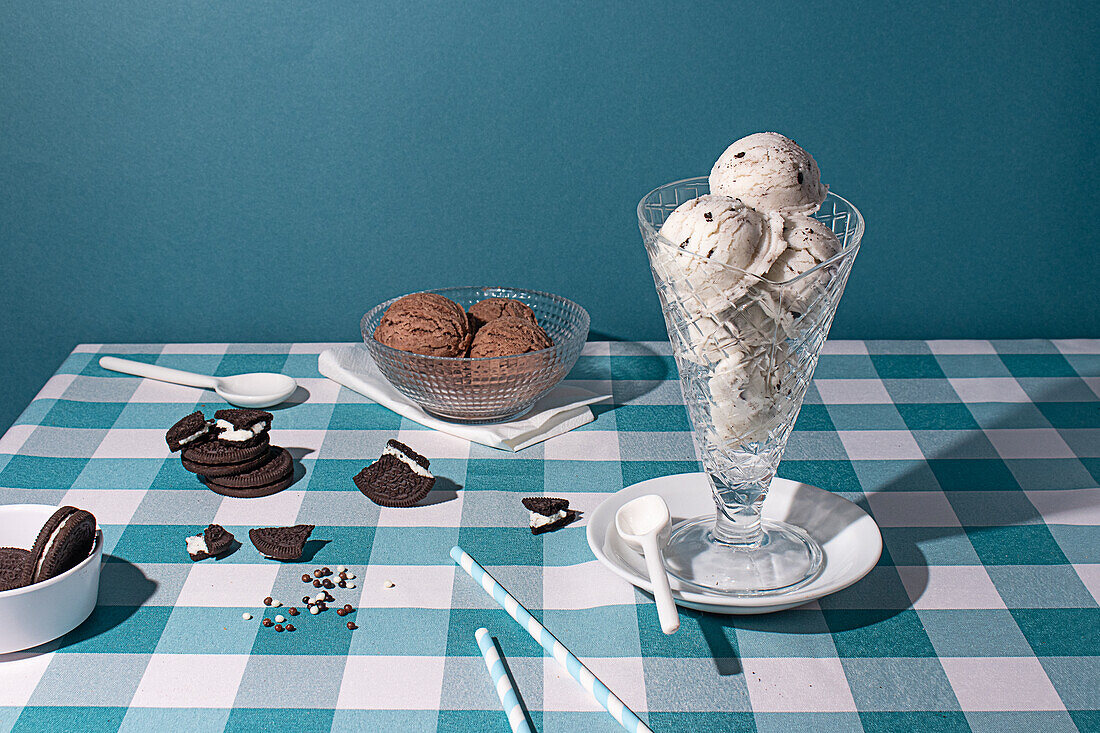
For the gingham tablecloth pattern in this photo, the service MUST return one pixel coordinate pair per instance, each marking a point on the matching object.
(980, 460)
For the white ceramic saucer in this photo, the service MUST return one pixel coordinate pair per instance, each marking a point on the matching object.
(849, 538)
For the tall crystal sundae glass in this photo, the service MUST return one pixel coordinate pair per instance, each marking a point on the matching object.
(746, 348)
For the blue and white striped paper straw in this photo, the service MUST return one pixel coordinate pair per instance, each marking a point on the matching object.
(507, 694)
(576, 669)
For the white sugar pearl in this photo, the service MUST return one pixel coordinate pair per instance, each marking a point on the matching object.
(314, 610)
(342, 569)
(276, 604)
(319, 597)
(389, 584)
(350, 576)
(246, 616)
(349, 585)
(280, 619)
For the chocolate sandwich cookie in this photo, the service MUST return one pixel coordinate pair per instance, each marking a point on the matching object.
(219, 457)
(399, 478)
(241, 427)
(270, 477)
(213, 541)
(548, 513)
(191, 430)
(65, 541)
(281, 543)
(13, 567)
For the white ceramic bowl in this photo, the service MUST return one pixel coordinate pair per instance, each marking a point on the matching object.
(44, 611)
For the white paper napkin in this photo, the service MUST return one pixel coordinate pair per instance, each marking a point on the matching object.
(561, 410)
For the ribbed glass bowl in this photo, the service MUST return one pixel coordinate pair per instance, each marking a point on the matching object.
(492, 389)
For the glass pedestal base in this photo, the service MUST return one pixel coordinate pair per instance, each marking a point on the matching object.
(785, 558)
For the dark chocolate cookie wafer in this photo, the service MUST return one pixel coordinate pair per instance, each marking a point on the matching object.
(240, 427)
(223, 458)
(213, 541)
(399, 478)
(270, 477)
(281, 543)
(65, 541)
(13, 567)
(190, 430)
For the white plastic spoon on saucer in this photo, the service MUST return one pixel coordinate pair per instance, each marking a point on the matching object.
(643, 524)
(258, 389)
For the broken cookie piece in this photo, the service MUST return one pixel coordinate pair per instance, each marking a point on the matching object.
(399, 478)
(548, 513)
(214, 540)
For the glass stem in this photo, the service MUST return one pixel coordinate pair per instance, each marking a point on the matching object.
(738, 518)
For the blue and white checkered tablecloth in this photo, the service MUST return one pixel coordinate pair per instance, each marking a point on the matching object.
(980, 461)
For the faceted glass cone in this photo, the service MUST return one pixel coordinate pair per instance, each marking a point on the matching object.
(746, 349)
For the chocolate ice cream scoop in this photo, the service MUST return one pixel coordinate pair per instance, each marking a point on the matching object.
(491, 309)
(425, 323)
(508, 336)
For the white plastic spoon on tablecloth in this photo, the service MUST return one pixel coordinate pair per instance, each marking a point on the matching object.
(258, 389)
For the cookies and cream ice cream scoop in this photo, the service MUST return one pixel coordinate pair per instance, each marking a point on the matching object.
(809, 243)
(721, 247)
(769, 172)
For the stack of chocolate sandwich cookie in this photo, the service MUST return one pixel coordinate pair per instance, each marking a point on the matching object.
(232, 453)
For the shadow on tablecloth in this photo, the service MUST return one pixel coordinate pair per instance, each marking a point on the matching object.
(123, 588)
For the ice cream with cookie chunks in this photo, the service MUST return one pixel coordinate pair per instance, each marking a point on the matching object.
(427, 324)
(741, 261)
(769, 172)
(721, 246)
(810, 242)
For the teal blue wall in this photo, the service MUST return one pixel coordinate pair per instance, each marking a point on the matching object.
(174, 171)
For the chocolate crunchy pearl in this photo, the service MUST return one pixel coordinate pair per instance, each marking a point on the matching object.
(328, 583)
(267, 622)
(328, 597)
(290, 627)
(316, 584)
(267, 601)
(341, 584)
(352, 626)
(348, 608)
(278, 627)
(320, 606)
(292, 611)
(306, 578)
(341, 612)
(326, 571)
(306, 600)
(343, 575)
(318, 574)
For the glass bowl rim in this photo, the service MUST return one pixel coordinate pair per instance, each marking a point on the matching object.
(857, 235)
(398, 353)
